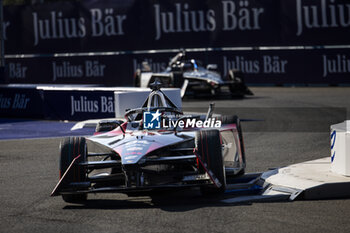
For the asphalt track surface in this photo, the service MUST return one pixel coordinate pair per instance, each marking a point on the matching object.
(287, 128)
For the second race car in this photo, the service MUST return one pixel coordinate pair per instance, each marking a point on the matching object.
(192, 77)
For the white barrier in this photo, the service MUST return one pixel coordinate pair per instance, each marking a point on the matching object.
(318, 179)
(340, 148)
(308, 180)
(128, 100)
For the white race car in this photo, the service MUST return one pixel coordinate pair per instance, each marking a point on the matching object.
(191, 76)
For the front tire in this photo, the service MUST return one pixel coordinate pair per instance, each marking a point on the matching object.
(70, 148)
(208, 145)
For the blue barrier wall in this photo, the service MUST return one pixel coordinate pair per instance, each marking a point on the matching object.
(21, 102)
(103, 42)
(129, 25)
(31, 101)
(301, 66)
(78, 105)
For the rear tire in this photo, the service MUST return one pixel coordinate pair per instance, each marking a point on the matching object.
(70, 148)
(238, 88)
(208, 145)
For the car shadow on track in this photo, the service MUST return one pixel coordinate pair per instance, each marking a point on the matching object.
(180, 201)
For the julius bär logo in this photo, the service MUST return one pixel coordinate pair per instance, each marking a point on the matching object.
(151, 120)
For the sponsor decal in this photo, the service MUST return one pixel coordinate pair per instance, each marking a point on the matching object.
(90, 68)
(267, 64)
(104, 22)
(327, 14)
(20, 101)
(17, 70)
(339, 64)
(83, 104)
(184, 19)
(134, 148)
(141, 142)
(131, 157)
(86, 22)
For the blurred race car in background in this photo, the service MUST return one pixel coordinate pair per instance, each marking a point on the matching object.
(190, 75)
(152, 151)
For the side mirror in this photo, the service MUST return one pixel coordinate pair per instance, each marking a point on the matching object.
(212, 67)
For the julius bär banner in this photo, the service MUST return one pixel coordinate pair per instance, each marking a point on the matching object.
(91, 26)
(103, 70)
(302, 66)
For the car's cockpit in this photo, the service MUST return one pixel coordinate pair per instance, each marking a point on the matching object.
(181, 63)
(157, 101)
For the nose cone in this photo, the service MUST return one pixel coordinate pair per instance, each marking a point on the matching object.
(134, 147)
(132, 152)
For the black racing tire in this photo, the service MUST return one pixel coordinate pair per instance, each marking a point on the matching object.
(215, 92)
(70, 148)
(208, 145)
(238, 88)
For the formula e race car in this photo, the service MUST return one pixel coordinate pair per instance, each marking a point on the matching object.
(191, 76)
(156, 147)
